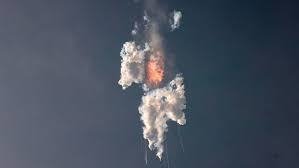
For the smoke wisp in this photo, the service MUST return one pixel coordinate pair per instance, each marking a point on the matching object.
(175, 21)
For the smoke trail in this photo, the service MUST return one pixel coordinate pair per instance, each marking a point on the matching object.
(167, 155)
(180, 138)
(145, 154)
(143, 62)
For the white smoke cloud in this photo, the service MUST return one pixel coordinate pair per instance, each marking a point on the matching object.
(157, 107)
(175, 21)
(132, 64)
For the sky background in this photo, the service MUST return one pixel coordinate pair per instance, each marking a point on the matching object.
(61, 106)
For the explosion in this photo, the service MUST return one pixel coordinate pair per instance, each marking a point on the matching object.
(143, 62)
(155, 69)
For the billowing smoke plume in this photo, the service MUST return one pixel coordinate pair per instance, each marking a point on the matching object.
(157, 107)
(143, 62)
(132, 64)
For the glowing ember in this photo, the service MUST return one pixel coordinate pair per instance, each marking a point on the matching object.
(155, 69)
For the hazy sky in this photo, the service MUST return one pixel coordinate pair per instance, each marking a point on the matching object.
(61, 106)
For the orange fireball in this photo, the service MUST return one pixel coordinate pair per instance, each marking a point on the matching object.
(155, 69)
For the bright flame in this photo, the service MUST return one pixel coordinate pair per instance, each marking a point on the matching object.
(155, 69)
